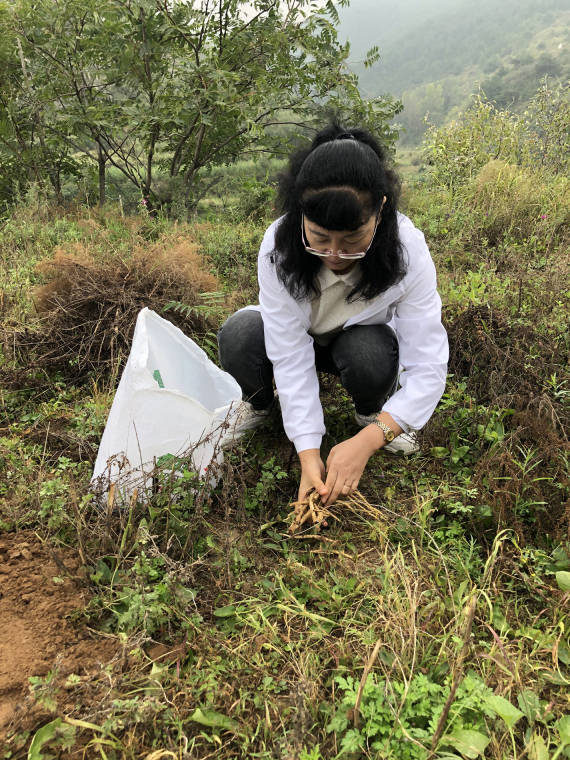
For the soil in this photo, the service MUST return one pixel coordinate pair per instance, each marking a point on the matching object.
(40, 586)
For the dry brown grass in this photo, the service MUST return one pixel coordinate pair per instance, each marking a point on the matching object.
(88, 305)
(499, 359)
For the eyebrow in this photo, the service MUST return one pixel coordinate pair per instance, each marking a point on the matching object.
(350, 233)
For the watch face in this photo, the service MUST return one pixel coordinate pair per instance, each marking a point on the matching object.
(389, 436)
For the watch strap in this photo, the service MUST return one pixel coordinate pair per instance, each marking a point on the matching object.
(389, 434)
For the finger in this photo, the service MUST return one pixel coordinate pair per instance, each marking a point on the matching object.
(321, 489)
(330, 458)
(330, 485)
(335, 492)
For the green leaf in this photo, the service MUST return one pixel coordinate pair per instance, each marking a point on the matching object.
(537, 748)
(529, 703)
(563, 727)
(439, 451)
(563, 580)
(556, 678)
(470, 743)
(224, 612)
(213, 719)
(564, 654)
(458, 453)
(351, 742)
(165, 459)
(56, 730)
(504, 709)
(561, 558)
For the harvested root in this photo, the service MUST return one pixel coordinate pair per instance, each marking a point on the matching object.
(310, 513)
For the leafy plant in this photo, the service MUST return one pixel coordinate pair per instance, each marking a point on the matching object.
(45, 690)
(263, 492)
(400, 719)
(57, 733)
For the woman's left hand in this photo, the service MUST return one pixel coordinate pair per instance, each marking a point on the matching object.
(346, 463)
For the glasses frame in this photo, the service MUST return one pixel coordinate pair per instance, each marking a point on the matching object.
(331, 254)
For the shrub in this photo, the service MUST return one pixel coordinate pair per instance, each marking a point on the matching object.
(88, 306)
(515, 201)
(232, 249)
(538, 139)
(456, 152)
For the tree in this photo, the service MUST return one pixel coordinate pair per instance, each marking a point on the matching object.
(162, 90)
(28, 152)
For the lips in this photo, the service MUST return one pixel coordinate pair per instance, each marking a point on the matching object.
(341, 266)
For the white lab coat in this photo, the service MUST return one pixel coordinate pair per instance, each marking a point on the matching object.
(412, 308)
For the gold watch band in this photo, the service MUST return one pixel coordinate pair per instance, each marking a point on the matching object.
(389, 434)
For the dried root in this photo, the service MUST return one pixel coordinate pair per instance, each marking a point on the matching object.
(310, 513)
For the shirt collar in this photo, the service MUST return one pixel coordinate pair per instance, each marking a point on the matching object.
(326, 278)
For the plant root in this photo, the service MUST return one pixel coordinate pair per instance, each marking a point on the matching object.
(310, 513)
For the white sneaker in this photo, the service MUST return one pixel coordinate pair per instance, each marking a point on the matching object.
(242, 417)
(405, 443)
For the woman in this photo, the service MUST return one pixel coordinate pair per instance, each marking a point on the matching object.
(347, 286)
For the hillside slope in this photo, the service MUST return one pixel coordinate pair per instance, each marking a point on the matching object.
(435, 53)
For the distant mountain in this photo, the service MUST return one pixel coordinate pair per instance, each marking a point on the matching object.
(424, 40)
(434, 53)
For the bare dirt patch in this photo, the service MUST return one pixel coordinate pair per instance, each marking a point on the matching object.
(40, 586)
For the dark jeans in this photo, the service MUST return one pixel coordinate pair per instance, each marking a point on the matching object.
(363, 357)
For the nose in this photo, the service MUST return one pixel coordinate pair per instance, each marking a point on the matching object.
(336, 248)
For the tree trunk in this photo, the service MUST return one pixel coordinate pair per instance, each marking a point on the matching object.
(101, 166)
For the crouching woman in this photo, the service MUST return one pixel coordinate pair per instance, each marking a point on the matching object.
(346, 286)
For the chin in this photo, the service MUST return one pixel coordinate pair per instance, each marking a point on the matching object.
(341, 266)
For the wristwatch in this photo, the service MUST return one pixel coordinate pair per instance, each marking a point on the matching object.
(389, 434)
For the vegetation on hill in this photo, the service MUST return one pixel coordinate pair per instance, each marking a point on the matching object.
(437, 630)
(434, 55)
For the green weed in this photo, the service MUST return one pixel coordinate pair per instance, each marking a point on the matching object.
(264, 639)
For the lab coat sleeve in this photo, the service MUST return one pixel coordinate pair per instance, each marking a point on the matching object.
(290, 349)
(423, 343)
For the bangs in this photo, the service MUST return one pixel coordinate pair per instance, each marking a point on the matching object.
(335, 209)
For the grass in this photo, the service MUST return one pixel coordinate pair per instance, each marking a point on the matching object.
(434, 627)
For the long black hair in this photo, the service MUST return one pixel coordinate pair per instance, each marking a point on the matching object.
(320, 183)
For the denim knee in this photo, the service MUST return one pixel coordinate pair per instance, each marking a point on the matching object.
(241, 348)
(367, 359)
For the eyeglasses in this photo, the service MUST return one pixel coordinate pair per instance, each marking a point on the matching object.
(338, 254)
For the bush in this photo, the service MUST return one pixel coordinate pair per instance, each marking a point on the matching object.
(517, 202)
(456, 152)
(90, 299)
(233, 249)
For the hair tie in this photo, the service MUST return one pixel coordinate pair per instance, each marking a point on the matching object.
(345, 136)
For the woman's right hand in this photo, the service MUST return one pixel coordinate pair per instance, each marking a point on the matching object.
(312, 474)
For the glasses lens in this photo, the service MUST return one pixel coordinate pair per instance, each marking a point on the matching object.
(330, 254)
